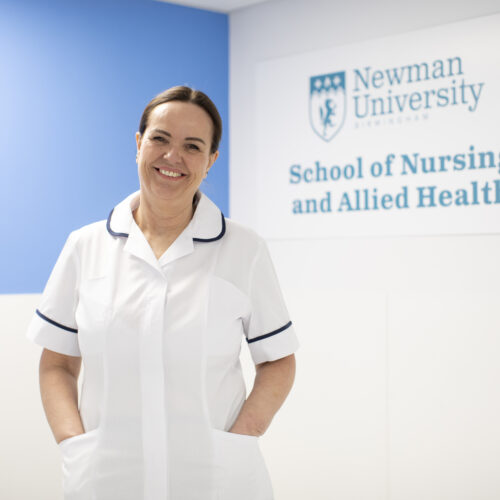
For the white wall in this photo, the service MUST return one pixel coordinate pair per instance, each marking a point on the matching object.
(397, 391)
(29, 457)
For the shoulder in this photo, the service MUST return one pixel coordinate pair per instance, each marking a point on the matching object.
(89, 231)
(238, 235)
(90, 235)
(241, 245)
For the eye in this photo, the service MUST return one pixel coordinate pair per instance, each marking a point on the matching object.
(192, 147)
(159, 138)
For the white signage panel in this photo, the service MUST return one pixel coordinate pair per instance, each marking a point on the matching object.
(395, 136)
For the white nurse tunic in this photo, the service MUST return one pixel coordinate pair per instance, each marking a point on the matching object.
(160, 342)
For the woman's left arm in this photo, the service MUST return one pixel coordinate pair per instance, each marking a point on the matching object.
(273, 381)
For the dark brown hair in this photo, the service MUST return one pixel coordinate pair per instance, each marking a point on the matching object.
(186, 94)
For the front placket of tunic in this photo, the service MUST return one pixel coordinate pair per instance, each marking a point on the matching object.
(188, 270)
(152, 402)
(176, 434)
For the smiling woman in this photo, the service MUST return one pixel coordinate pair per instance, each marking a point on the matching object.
(174, 156)
(156, 301)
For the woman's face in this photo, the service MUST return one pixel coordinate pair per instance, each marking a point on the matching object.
(173, 154)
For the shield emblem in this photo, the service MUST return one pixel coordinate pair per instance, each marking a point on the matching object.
(327, 104)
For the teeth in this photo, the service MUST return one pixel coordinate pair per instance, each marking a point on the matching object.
(170, 174)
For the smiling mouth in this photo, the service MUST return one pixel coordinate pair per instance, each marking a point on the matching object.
(169, 173)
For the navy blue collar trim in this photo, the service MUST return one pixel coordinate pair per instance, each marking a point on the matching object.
(204, 240)
(219, 236)
(270, 334)
(110, 231)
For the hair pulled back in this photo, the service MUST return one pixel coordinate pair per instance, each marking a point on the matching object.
(186, 94)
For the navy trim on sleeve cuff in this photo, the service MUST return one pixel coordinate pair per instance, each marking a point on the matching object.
(55, 323)
(270, 334)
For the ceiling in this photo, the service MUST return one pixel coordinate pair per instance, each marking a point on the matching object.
(216, 5)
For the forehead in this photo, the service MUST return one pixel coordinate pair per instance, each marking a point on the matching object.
(181, 118)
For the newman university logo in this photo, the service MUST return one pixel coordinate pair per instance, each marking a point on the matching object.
(327, 104)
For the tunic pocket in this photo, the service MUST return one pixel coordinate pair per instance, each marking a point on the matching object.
(240, 471)
(77, 454)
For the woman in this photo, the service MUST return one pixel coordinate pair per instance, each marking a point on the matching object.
(155, 301)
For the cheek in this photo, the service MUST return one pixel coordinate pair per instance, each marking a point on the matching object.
(145, 158)
(204, 164)
(142, 169)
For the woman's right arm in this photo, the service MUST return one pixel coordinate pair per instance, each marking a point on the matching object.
(59, 390)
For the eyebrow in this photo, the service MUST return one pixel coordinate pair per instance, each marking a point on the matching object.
(160, 131)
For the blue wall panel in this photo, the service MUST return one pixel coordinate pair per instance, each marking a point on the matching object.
(74, 79)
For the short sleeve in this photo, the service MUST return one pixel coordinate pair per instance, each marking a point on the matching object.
(268, 328)
(53, 325)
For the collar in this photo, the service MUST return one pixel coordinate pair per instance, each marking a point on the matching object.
(208, 222)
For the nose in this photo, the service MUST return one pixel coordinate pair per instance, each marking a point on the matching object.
(172, 154)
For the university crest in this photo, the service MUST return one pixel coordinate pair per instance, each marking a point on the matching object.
(327, 104)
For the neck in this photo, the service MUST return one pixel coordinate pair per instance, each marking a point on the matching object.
(162, 219)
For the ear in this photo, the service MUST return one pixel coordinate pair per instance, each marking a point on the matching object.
(138, 139)
(211, 160)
